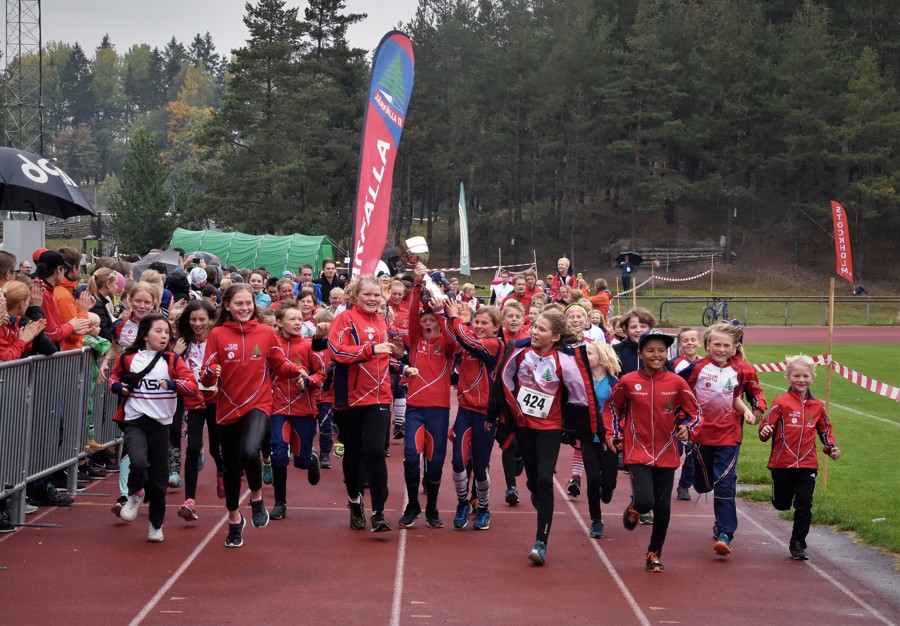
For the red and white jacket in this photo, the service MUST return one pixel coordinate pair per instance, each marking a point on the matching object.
(477, 365)
(361, 377)
(645, 412)
(247, 353)
(433, 358)
(149, 398)
(797, 423)
(288, 399)
(715, 389)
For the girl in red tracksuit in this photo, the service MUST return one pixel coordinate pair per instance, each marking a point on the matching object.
(359, 346)
(397, 318)
(539, 382)
(240, 354)
(649, 411)
(481, 351)
(432, 350)
(793, 424)
(293, 425)
(146, 414)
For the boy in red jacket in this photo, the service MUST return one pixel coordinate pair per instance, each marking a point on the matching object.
(793, 423)
(649, 412)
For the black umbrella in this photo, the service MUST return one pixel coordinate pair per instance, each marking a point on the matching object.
(32, 184)
(209, 257)
(635, 258)
(169, 258)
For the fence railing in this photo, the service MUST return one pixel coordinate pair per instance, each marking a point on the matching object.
(778, 310)
(44, 420)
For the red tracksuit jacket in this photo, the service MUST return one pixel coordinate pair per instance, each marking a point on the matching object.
(288, 399)
(434, 359)
(797, 422)
(360, 376)
(645, 411)
(477, 366)
(247, 353)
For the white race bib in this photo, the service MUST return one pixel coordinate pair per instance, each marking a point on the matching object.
(534, 403)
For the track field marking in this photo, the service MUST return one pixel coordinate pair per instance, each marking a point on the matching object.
(183, 567)
(843, 408)
(818, 570)
(399, 572)
(606, 562)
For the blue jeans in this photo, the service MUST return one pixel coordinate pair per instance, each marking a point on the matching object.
(715, 470)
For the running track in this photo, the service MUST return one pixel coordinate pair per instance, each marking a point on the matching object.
(312, 568)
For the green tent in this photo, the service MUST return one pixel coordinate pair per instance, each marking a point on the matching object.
(276, 254)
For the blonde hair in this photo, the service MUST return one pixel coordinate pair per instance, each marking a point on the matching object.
(93, 318)
(152, 277)
(539, 297)
(225, 284)
(155, 291)
(100, 278)
(16, 293)
(734, 332)
(608, 358)
(354, 288)
(799, 360)
(586, 304)
(514, 304)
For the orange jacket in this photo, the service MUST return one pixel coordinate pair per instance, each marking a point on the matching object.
(64, 296)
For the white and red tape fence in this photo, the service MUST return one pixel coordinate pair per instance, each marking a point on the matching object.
(870, 384)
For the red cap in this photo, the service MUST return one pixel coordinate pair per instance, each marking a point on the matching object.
(37, 254)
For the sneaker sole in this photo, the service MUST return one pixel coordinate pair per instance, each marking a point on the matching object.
(381, 528)
(535, 558)
(658, 569)
(188, 515)
(722, 548)
(434, 523)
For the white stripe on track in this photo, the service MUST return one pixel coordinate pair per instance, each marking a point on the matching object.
(818, 570)
(606, 562)
(182, 568)
(398, 572)
(842, 407)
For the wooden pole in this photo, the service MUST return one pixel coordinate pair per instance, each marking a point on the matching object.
(828, 358)
(652, 279)
(712, 270)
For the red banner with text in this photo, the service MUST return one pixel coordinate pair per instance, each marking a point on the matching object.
(843, 256)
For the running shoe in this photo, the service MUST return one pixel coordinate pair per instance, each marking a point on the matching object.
(116, 508)
(683, 493)
(723, 545)
(313, 474)
(130, 509)
(538, 554)
(596, 529)
(574, 486)
(325, 461)
(267, 473)
(235, 538)
(154, 535)
(279, 511)
(461, 520)
(6, 524)
(410, 514)
(653, 564)
(646, 519)
(357, 515)
(220, 484)
(433, 519)
(258, 514)
(188, 511)
(398, 431)
(798, 552)
(50, 497)
(379, 524)
(339, 450)
(630, 517)
(174, 480)
(482, 519)
(512, 495)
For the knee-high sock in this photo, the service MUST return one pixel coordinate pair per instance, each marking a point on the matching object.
(483, 489)
(399, 411)
(577, 463)
(461, 482)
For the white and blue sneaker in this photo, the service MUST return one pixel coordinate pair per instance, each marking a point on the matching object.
(538, 554)
(462, 515)
(482, 519)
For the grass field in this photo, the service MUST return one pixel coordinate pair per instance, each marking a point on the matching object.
(862, 494)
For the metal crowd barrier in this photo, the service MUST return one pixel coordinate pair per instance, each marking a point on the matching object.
(43, 420)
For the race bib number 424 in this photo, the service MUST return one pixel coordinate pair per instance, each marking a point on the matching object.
(534, 403)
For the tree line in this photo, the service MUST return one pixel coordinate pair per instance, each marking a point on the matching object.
(571, 122)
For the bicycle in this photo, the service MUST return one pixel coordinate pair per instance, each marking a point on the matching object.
(716, 309)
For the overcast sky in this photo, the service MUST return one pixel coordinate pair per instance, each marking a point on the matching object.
(153, 22)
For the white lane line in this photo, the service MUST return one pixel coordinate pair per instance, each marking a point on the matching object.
(182, 568)
(398, 572)
(606, 562)
(843, 408)
(818, 570)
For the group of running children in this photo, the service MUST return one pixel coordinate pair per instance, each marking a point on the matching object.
(263, 390)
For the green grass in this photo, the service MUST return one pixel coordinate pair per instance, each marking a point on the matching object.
(862, 486)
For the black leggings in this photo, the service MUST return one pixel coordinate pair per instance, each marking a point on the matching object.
(652, 489)
(148, 443)
(363, 430)
(795, 485)
(539, 450)
(509, 458)
(241, 441)
(196, 418)
(601, 470)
